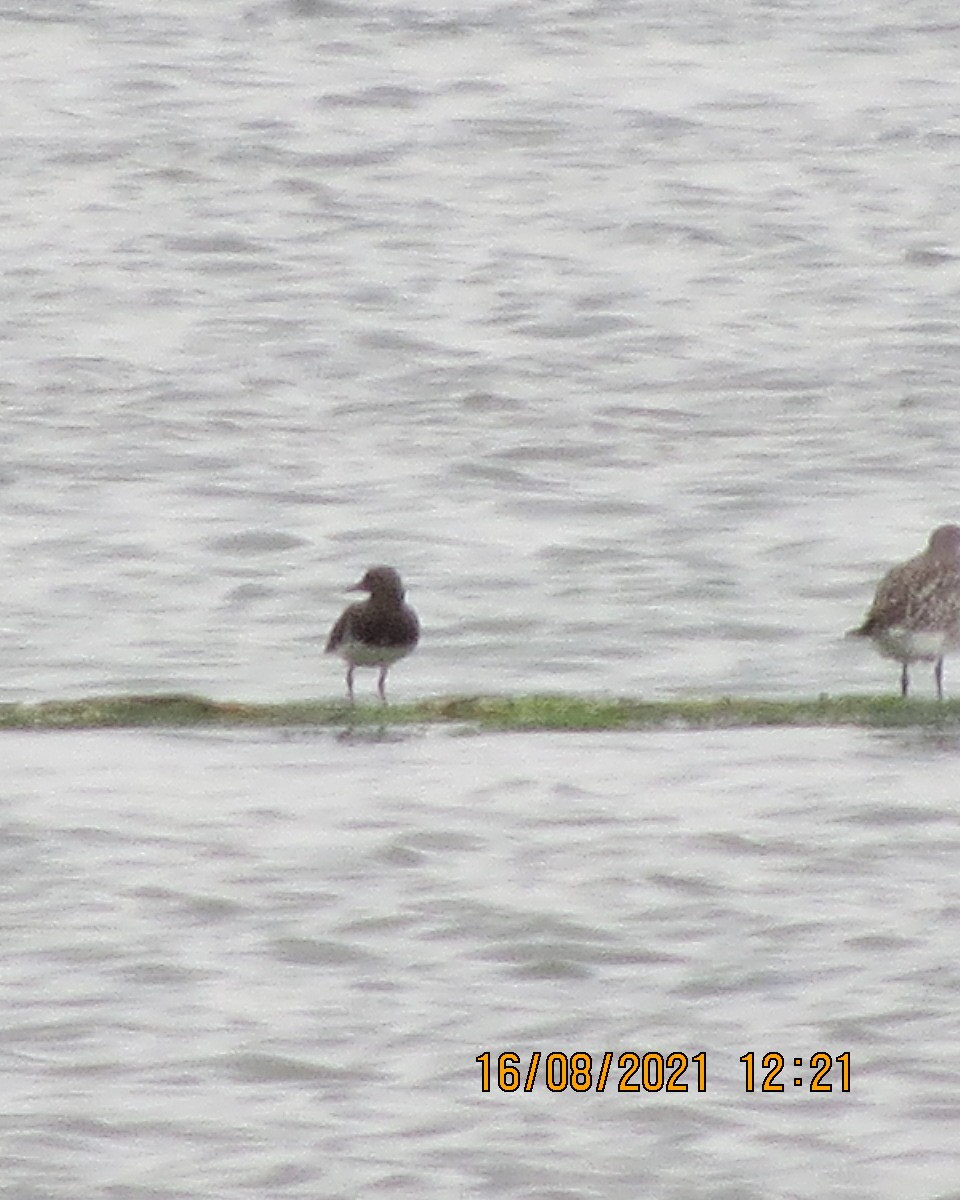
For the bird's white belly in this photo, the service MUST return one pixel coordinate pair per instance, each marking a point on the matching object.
(913, 645)
(362, 655)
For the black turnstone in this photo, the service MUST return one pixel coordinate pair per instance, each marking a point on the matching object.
(375, 632)
(915, 615)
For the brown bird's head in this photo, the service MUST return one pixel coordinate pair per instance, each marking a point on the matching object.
(381, 582)
(944, 543)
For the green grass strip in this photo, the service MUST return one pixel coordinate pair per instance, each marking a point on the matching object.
(484, 712)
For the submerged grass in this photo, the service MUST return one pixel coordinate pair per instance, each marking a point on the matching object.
(485, 712)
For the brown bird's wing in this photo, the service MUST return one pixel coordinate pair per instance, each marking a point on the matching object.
(891, 604)
(935, 600)
(339, 631)
(379, 628)
(916, 595)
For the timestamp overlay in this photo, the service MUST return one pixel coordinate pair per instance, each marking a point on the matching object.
(768, 1072)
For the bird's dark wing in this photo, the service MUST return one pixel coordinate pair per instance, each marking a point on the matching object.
(375, 627)
(935, 600)
(916, 595)
(339, 631)
(891, 604)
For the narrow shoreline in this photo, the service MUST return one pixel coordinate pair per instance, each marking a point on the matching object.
(503, 713)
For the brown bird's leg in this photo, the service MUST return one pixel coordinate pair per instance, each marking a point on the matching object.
(938, 676)
(904, 681)
(350, 682)
(382, 684)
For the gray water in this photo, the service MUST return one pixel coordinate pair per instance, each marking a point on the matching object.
(628, 333)
(261, 965)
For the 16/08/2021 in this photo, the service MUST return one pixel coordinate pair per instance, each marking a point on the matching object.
(653, 1071)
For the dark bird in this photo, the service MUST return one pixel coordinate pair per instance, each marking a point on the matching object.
(375, 632)
(915, 615)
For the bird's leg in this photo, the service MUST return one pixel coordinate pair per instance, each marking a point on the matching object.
(938, 676)
(904, 681)
(350, 682)
(382, 684)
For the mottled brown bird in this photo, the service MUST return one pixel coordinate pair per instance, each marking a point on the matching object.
(915, 615)
(375, 632)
